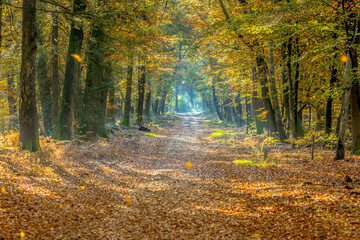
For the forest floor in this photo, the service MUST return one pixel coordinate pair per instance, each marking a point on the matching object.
(183, 180)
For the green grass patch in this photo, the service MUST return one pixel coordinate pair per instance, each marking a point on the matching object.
(151, 135)
(249, 162)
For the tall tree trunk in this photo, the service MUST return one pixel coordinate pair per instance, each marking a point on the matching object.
(11, 99)
(274, 94)
(64, 123)
(216, 103)
(355, 105)
(163, 102)
(284, 75)
(156, 107)
(111, 111)
(238, 111)
(248, 114)
(256, 108)
(333, 80)
(92, 122)
(141, 89)
(55, 70)
(106, 85)
(265, 94)
(343, 118)
(148, 101)
(28, 118)
(292, 122)
(127, 107)
(44, 85)
(228, 110)
(298, 125)
(176, 98)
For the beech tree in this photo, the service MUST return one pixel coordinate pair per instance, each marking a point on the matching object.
(28, 118)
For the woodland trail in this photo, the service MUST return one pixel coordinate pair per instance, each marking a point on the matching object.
(137, 186)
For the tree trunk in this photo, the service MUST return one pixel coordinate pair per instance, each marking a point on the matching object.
(355, 105)
(92, 116)
(292, 122)
(176, 98)
(44, 85)
(216, 103)
(163, 102)
(285, 87)
(148, 101)
(274, 94)
(11, 99)
(127, 107)
(343, 118)
(238, 111)
(28, 118)
(141, 88)
(256, 108)
(265, 94)
(248, 114)
(64, 123)
(298, 125)
(111, 110)
(228, 110)
(156, 107)
(55, 71)
(333, 80)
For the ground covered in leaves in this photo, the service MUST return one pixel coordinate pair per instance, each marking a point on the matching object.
(183, 180)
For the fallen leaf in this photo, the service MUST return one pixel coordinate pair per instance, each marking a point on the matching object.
(77, 57)
(22, 234)
(3, 191)
(189, 164)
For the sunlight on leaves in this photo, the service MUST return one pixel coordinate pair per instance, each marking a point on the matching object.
(77, 57)
(189, 164)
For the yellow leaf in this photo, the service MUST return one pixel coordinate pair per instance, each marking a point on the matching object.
(189, 164)
(128, 201)
(22, 234)
(76, 57)
(82, 187)
(3, 190)
(344, 58)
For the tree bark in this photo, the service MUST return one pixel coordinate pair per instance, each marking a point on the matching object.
(274, 94)
(148, 101)
(265, 94)
(292, 122)
(216, 103)
(333, 80)
(343, 118)
(65, 118)
(141, 89)
(12, 100)
(92, 122)
(285, 86)
(28, 118)
(127, 107)
(55, 70)
(44, 85)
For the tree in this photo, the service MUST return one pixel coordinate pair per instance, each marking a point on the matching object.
(28, 118)
(65, 118)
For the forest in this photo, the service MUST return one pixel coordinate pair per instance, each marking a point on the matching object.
(179, 119)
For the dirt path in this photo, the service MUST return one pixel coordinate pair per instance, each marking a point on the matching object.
(139, 187)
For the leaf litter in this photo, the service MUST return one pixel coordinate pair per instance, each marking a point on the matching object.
(180, 185)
